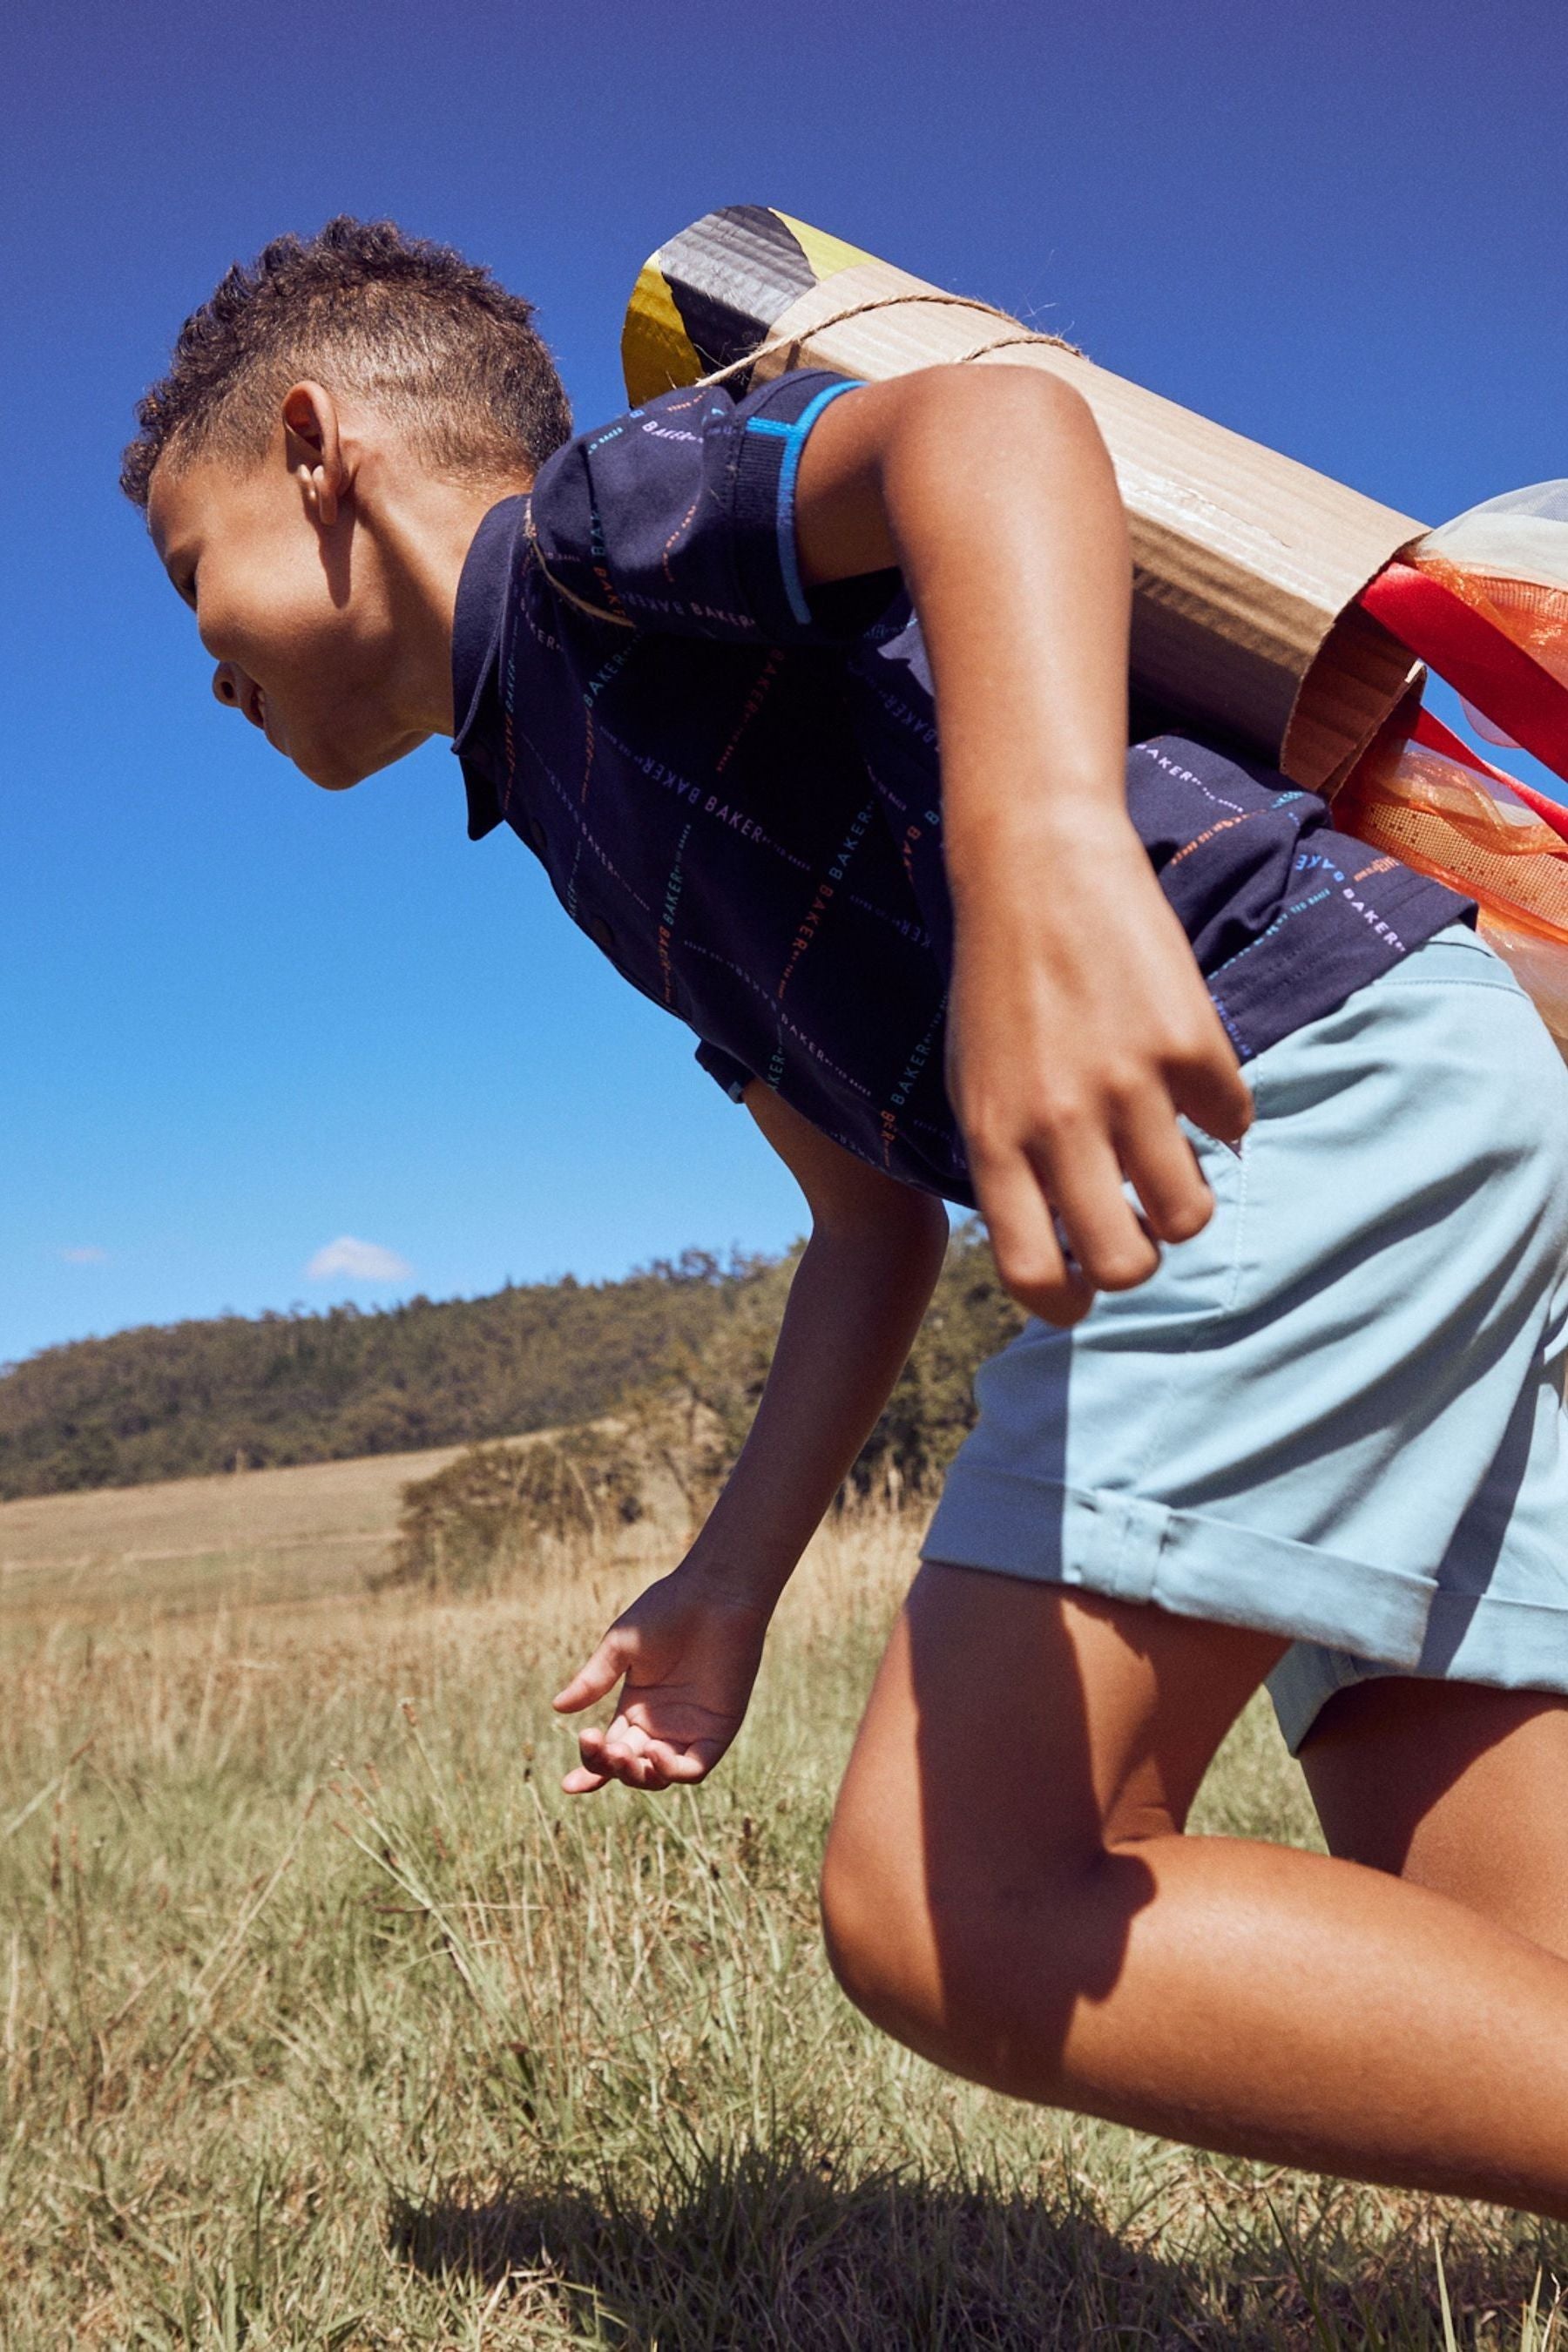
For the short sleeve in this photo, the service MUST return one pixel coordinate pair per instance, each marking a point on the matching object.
(732, 1074)
(679, 516)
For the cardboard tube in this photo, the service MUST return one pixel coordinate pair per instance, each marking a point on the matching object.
(1247, 564)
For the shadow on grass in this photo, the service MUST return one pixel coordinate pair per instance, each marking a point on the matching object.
(763, 2249)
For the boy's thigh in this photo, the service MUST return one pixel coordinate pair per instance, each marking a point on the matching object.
(1458, 1786)
(1017, 1732)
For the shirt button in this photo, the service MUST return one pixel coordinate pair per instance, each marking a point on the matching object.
(536, 835)
(600, 934)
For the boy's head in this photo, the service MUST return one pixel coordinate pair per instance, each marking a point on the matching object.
(333, 421)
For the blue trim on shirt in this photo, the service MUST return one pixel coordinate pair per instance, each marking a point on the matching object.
(794, 435)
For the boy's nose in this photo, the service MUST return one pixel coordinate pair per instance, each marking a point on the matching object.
(225, 685)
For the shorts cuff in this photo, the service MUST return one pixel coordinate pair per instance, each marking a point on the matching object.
(1495, 1641)
(1494, 1637)
(1128, 1548)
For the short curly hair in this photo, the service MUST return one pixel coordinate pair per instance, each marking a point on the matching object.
(433, 340)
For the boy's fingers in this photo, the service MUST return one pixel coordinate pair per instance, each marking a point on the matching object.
(615, 1757)
(627, 1752)
(591, 1741)
(1162, 1169)
(692, 1763)
(1024, 1241)
(603, 1760)
(599, 1676)
(1084, 1180)
(1214, 1094)
(622, 1751)
(590, 1771)
(649, 1765)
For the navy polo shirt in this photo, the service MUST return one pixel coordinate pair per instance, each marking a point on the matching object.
(733, 786)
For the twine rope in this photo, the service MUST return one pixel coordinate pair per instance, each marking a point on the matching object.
(893, 302)
(793, 343)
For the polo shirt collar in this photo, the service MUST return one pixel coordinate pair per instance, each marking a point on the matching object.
(476, 623)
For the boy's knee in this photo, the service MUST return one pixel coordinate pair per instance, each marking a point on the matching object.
(878, 1932)
(935, 1964)
(978, 1970)
(865, 1926)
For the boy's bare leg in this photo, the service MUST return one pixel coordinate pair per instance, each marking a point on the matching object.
(1454, 1786)
(1007, 1889)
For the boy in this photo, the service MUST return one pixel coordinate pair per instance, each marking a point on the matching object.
(1265, 1138)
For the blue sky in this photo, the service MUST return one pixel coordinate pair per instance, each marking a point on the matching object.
(245, 1019)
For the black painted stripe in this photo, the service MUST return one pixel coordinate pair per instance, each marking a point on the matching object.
(730, 275)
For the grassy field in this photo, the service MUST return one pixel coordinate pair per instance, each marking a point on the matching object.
(327, 2021)
(266, 1537)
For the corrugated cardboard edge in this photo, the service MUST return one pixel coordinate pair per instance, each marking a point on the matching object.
(1247, 565)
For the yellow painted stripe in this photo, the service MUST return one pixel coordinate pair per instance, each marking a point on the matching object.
(656, 350)
(828, 255)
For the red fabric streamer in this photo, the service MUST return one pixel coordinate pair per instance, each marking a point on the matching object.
(1485, 666)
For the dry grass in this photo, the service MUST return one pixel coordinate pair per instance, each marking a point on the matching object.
(265, 1536)
(324, 2020)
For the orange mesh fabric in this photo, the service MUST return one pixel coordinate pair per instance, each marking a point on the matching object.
(1428, 811)
(1532, 613)
(1432, 813)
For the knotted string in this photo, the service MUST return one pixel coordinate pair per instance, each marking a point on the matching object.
(793, 343)
(891, 302)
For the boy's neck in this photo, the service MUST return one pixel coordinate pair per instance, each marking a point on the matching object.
(423, 528)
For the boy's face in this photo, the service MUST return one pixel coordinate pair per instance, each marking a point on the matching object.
(297, 604)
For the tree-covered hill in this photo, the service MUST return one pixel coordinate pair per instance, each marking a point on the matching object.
(174, 1401)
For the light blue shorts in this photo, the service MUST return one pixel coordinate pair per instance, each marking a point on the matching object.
(1337, 1415)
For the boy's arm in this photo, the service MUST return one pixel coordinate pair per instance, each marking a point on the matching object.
(689, 1646)
(1079, 1024)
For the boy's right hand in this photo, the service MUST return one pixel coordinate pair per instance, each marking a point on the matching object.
(689, 1650)
(1080, 1030)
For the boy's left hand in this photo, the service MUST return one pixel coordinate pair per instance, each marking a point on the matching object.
(689, 1651)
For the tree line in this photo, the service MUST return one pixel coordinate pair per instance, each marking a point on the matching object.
(249, 1392)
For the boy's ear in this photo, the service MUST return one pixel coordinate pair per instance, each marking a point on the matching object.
(314, 441)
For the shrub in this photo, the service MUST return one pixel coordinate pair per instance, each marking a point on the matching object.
(468, 1526)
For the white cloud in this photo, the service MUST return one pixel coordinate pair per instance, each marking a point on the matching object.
(364, 1261)
(90, 1255)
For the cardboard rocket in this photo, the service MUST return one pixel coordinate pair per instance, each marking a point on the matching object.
(1247, 565)
(1272, 605)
